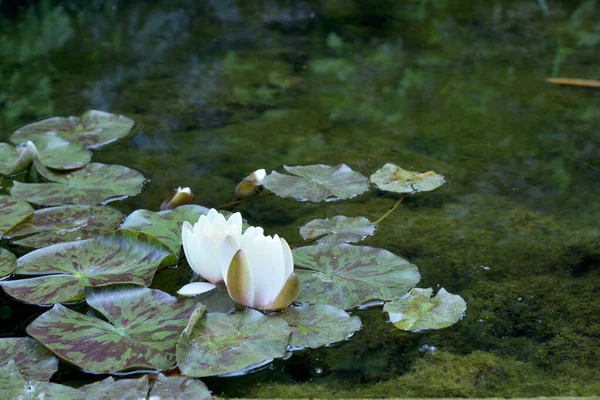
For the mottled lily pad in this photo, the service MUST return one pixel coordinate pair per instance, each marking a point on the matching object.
(417, 310)
(12, 212)
(338, 229)
(33, 359)
(346, 276)
(8, 262)
(318, 324)
(16, 159)
(92, 184)
(122, 389)
(165, 225)
(65, 224)
(392, 178)
(177, 388)
(94, 129)
(121, 256)
(142, 329)
(16, 385)
(222, 343)
(55, 152)
(317, 183)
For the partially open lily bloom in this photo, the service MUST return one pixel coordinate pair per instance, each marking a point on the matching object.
(261, 273)
(251, 185)
(209, 247)
(180, 197)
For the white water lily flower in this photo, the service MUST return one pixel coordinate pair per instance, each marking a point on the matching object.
(261, 273)
(209, 247)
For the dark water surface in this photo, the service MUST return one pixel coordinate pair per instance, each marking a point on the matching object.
(220, 88)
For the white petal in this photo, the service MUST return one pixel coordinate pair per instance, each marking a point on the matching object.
(229, 248)
(267, 264)
(208, 253)
(195, 288)
(235, 224)
(289, 259)
(190, 247)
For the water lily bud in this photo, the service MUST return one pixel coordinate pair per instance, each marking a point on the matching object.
(178, 198)
(251, 185)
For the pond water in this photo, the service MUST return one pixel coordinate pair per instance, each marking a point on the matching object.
(220, 88)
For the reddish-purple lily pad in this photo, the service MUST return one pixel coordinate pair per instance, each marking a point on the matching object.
(338, 229)
(33, 359)
(16, 385)
(65, 224)
(94, 129)
(219, 343)
(141, 331)
(317, 182)
(347, 276)
(65, 269)
(178, 388)
(8, 262)
(92, 184)
(122, 389)
(12, 212)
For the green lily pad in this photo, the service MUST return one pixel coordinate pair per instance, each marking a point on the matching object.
(222, 343)
(15, 385)
(392, 178)
(177, 388)
(318, 324)
(33, 359)
(317, 183)
(123, 389)
(338, 229)
(92, 184)
(55, 152)
(165, 225)
(346, 276)
(121, 256)
(417, 310)
(142, 329)
(8, 262)
(16, 159)
(94, 129)
(65, 224)
(12, 212)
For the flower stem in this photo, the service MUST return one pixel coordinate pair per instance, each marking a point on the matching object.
(391, 210)
(229, 206)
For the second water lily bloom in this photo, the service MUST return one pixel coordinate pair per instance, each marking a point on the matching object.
(261, 273)
(209, 246)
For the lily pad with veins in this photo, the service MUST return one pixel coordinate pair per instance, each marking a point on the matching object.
(33, 359)
(141, 331)
(392, 178)
(338, 229)
(317, 183)
(8, 262)
(12, 212)
(346, 276)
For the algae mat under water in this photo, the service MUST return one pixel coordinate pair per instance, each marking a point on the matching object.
(220, 89)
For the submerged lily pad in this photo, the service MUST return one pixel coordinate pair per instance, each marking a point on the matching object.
(15, 385)
(142, 329)
(12, 212)
(417, 310)
(338, 229)
(121, 256)
(92, 184)
(65, 224)
(392, 178)
(317, 182)
(346, 276)
(16, 159)
(33, 359)
(318, 324)
(222, 343)
(94, 129)
(8, 262)
(165, 225)
(177, 388)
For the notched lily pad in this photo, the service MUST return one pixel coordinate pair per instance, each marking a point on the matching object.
(347, 276)
(222, 343)
(318, 324)
(338, 229)
(12, 212)
(16, 159)
(8, 262)
(92, 184)
(165, 225)
(65, 224)
(121, 256)
(142, 329)
(317, 183)
(176, 388)
(32, 359)
(392, 178)
(94, 129)
(16, 385)
(417, 310)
